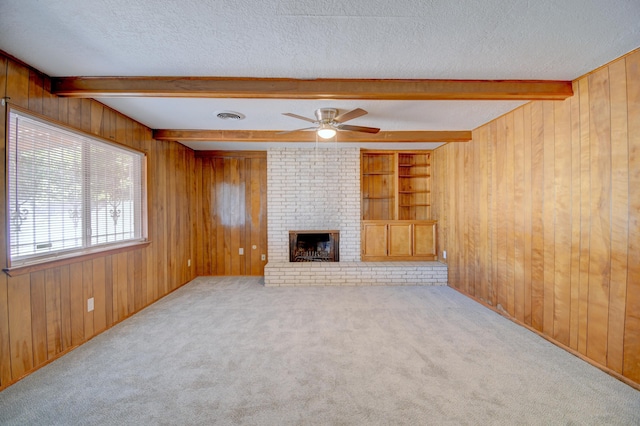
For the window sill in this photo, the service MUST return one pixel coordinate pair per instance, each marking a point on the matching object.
(61, 261)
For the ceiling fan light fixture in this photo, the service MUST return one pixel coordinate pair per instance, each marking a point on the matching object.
(326, 131)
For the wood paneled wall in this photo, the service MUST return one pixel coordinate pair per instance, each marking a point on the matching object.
(43, 314)
(540, 216)
(232, 210)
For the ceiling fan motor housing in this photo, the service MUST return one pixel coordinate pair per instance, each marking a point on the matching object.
(326, 115)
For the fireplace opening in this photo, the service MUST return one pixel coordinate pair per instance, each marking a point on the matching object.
(314, 246)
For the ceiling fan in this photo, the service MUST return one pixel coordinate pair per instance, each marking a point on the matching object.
(328, 122)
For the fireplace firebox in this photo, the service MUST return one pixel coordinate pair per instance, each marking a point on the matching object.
(314, 246)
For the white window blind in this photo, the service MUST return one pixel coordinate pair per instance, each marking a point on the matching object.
(69, 192)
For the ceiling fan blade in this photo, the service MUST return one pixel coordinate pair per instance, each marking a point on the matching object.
(296, 130)
(299, 117)
(358, 128)
(354, 113)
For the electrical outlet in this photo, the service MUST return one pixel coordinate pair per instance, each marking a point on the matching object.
(90, 304)
(240, 251)
(263, 257)
(188, 262)
(444, 254)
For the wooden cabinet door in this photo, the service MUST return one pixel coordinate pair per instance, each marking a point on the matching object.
(400, 239)
(424, 239)
(374, 239)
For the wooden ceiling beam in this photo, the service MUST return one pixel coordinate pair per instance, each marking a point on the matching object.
(283, 88)
(307, 136)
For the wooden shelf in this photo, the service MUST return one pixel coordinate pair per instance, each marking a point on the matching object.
(415, 165)
(396, 185)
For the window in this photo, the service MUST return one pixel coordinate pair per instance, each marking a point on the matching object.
(69, 193)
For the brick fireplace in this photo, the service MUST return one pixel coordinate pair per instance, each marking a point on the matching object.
(309, 189)
(319, 189)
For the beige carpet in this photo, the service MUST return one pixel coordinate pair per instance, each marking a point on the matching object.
(229, 351)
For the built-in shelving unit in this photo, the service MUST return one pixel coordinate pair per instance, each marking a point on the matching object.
(378, 185)
(396, 185)
(414, 189)
(396, 206)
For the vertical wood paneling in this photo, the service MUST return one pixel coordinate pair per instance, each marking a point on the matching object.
(459, 220)
(471, 203)
(501, 209)
(108, 291)
(585, 213)
(63, 108)
(491, 296)
(474, 229)
(39, 318)
(233, 193)
(575, 218)
(236, 202)
(619, 214)
(44, 313)
(17, 85)
(65, 307)
(161, 173)
(631, 366)
(20, 328)
(138, 282)
(130, 283)
(255, 218)
(509, 212)
(262, 212)
(484, 245)
(120, 291)
(141, 264)
(5, 342)
(35, 91)
(77, 303)
(87, 293)
(244, 227)
(74, 113)
(600, 230)
(561, 283)
(99, 295)
(53, 310)
(527, 212)
(218, 183)
(537, 218)
(50, 104)
(555, 230)
(86, 108)
(518, 215)
(548, 218)
(171, 221)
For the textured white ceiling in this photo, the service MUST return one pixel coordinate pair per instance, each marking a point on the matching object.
(266, 114)
(466, 39)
